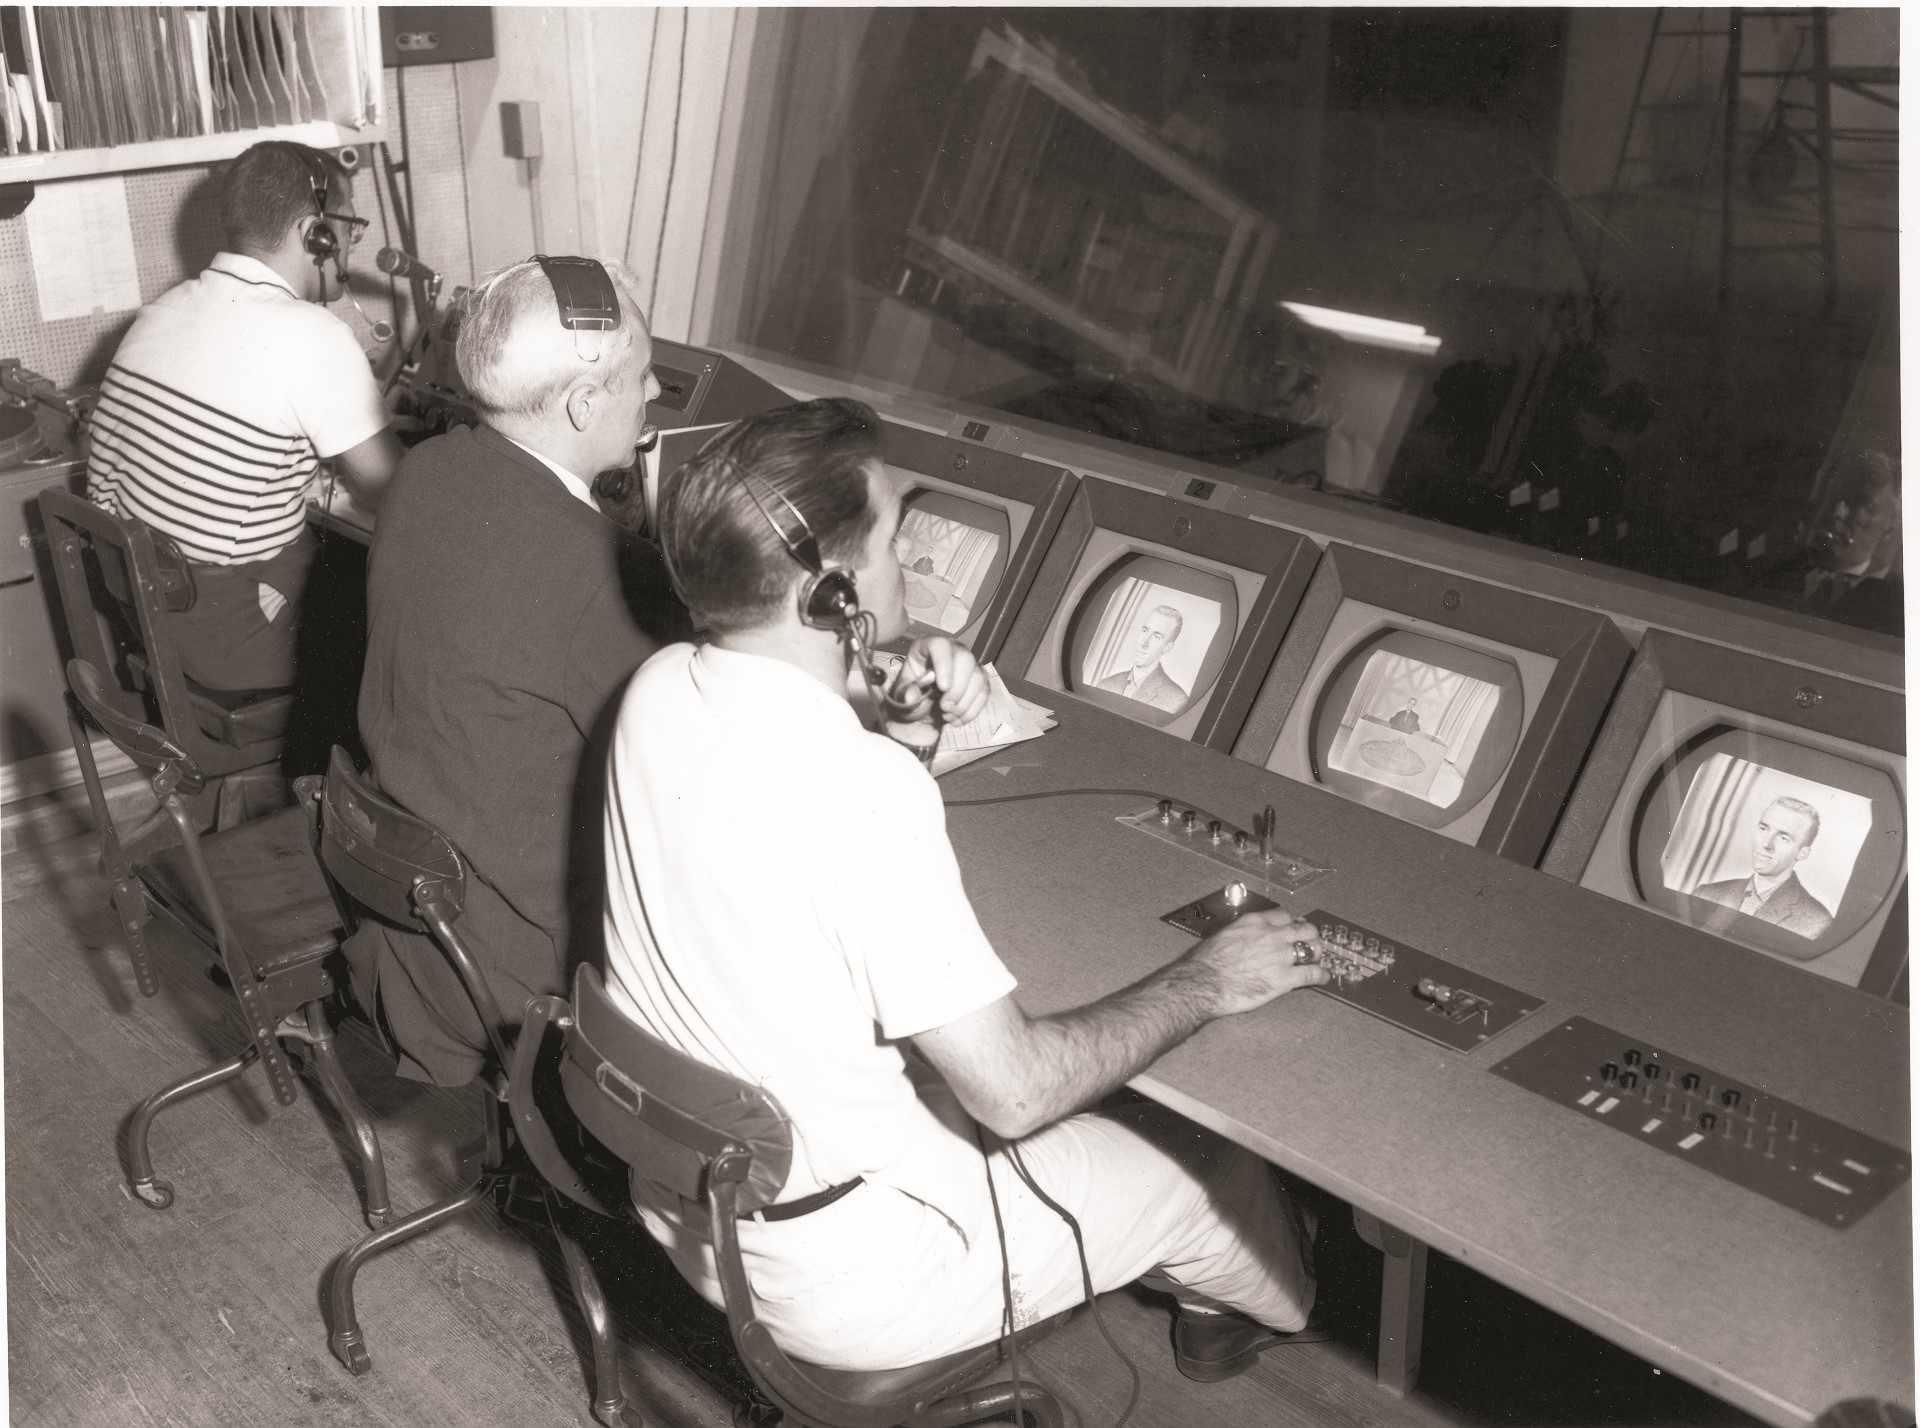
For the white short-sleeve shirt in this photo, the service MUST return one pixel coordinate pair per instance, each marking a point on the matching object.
(221, 401)
(783, 903)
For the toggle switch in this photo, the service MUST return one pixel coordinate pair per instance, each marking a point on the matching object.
(1631, 1056)
(1730, 1098)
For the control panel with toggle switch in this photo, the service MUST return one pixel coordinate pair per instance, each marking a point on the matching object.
(1414, 990)
(1248, 856)
(1727, 1127)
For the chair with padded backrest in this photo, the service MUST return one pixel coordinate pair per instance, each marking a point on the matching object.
(384, 862)
(716, 1139)
(119, 583)
(251, 895)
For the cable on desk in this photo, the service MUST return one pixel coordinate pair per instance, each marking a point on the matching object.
(1146, 793)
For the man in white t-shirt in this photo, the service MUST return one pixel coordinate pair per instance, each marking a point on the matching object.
(221, 402)
(783, 904)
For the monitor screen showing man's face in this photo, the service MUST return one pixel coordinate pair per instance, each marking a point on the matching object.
(1758, 842)
(1783, 838)
(1150, 644)
(1159, 627)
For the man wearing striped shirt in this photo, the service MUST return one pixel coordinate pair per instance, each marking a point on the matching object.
(221, 402)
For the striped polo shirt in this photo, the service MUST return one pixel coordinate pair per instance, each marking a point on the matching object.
(222, 399)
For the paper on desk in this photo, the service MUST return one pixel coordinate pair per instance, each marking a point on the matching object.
(82, 241)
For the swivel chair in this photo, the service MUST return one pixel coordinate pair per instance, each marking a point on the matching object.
(119, 585)
(251, 896)
(710, 1136)
(384, 862)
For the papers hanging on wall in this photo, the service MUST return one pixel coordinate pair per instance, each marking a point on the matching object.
(81, 238)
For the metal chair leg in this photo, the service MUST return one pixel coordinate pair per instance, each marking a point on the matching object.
(1034, 1404)
(609, 1403)
(130, 901)
(366, 1144)
(140, 1177)
(345, 1339)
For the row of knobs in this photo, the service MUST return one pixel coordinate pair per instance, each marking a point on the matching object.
(1189, 822)
(1642, 1073)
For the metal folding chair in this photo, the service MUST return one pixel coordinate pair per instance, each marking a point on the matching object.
(252, 895)
(714, 1138)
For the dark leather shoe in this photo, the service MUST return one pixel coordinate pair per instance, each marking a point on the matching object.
(1211, 1347)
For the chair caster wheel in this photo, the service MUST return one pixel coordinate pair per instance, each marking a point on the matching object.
(352, 1353)
(154, 1194)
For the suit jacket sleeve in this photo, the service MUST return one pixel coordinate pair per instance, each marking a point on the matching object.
(607, 646)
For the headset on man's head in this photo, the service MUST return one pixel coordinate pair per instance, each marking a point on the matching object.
(322, 241)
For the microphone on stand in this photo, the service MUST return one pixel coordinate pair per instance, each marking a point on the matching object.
(399, 263)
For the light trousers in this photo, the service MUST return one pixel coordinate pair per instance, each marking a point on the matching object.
(880, 1279)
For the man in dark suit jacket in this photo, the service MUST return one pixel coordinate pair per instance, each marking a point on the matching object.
(505, 615)
(1146, 680)
(1774, 894)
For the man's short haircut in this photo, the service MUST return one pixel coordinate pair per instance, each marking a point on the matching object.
(515, 358)
(268, 189)
(1179, 621)
(729, 565)
(1802, 807)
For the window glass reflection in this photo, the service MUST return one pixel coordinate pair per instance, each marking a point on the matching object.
(1615, 282)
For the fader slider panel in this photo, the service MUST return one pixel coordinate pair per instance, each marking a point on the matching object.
(1761, 1142)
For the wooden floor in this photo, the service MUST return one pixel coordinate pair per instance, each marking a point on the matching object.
(210, 1313)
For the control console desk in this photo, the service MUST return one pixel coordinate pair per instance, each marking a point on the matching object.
(1759, 1301)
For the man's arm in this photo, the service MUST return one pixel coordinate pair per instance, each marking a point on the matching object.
(367, 468)
(1015, 1073)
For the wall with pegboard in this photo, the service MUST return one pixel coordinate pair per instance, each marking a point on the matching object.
(176, 232)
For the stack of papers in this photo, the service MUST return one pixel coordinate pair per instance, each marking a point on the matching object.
(1007, 719)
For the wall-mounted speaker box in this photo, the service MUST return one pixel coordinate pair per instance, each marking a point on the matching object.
(435, 34)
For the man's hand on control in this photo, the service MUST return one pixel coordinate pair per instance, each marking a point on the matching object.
(1256, 958)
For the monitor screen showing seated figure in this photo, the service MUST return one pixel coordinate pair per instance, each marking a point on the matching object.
(1418, 726)
(953, 553)
(1151, 636)
(974, 527)
(1724, 795)
(1449, 703)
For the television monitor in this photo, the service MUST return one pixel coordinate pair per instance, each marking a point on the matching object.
(1157, 609)
(974, 526)
(1760, 801)
(1450, 703)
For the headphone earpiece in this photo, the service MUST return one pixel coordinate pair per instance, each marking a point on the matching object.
(829, 601)
(320, 240)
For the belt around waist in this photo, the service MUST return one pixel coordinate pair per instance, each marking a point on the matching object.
(806, 1204)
